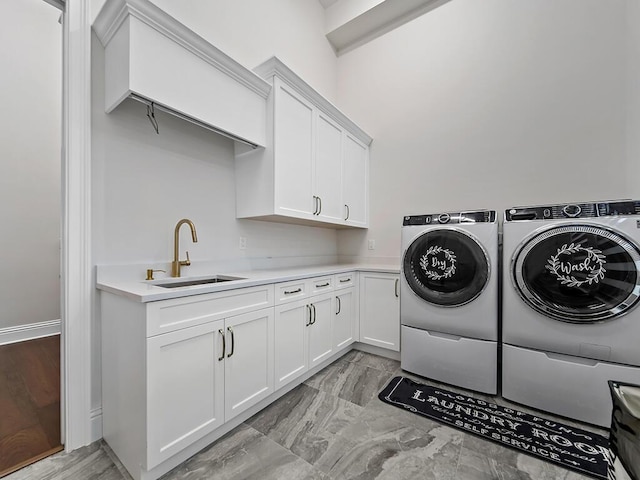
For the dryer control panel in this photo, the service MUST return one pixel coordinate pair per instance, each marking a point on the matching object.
(445, 218)
(573, 210)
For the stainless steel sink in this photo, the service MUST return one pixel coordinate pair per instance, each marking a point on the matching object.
(196, 281)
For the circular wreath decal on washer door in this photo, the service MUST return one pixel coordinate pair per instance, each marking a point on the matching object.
(446, 267)
(578, 273)
(574, 260)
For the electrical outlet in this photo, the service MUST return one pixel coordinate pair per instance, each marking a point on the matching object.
(243, 243)
(372, 244)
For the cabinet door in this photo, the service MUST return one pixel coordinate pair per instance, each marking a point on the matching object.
(355, 182)
(248, 362)
(380, 310)
(291, 341)
(293, 148)
(343, 319)
(185, 389)
(320, 336)
(328, 170)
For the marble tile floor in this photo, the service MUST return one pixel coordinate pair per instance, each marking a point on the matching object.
(332, 427)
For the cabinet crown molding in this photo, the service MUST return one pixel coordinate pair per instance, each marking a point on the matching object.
(114, 13)
(274, 67)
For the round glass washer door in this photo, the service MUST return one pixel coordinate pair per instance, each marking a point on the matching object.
(578, 273)
(446, 267)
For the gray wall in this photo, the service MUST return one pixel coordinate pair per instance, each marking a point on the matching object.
(488, 105)
(30, 140)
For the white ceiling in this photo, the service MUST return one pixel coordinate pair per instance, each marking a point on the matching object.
(351, 23)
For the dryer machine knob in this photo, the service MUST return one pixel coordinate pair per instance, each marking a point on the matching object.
(444, 218)
(572, 211)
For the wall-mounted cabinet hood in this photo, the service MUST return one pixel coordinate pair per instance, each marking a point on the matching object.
(151, 57)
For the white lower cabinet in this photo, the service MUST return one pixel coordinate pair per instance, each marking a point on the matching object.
(380, 310)
(344, 318)
(176, 371)
(248, 361)
(291, 343)
(185, 384)
(303, 336)
(200, 377)
(319, 330)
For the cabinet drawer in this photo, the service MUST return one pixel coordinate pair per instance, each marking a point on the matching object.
(344, 280)
(318, 285)
(169, 315)
(289, 291)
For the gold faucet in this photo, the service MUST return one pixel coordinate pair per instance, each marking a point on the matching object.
(175, 265)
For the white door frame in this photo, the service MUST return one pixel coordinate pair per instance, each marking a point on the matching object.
(77, 281)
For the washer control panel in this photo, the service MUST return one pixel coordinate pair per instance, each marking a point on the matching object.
(480, 216)
(573, 210)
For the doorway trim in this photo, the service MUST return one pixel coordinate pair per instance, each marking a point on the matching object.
(77, 281)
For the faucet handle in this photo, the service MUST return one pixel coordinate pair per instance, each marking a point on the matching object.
(186, 262)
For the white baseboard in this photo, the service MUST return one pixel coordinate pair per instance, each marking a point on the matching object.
(31, 331)
(382, 352)
(96, 424)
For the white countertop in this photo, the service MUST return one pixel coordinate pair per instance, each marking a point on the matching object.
(145, 291)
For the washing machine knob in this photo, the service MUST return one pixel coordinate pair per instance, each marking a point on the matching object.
(444, 218)
(571, 211)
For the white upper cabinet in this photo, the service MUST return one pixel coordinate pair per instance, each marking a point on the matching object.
(355, 191)
(315, 167)
(151, 57)
(328, 169)
(294, 137)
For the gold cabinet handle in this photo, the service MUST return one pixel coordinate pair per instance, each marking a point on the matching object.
(224, 345)
(233, 342)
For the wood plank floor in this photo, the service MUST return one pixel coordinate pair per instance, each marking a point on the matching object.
(29, 402)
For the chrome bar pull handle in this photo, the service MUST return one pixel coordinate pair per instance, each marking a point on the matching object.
(309, 316)
(339, 305)
(347, 217)
(314, 314)
(224, 345)
(319, 205)
(396, 288)
(233, 341)
(315, 205)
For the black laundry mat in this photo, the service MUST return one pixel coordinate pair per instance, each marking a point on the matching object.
(570, 447)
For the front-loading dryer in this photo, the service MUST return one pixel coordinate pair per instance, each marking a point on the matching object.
(570, 319)
(449, 298)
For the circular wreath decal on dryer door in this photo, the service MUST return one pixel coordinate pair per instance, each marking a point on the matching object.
(446, 267)
(438, 263)
(574, 259)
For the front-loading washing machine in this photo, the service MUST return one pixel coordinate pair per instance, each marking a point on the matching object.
(449, 298)
(570, 319)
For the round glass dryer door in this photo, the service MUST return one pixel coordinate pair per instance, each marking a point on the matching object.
(446, 267)
(578, 273)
